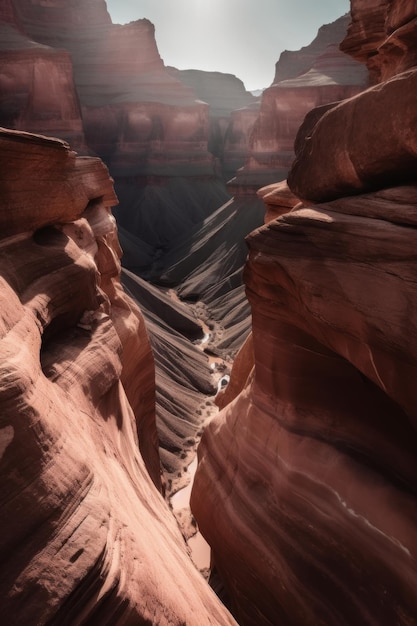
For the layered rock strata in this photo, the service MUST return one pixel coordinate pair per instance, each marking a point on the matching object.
(311, 519)
(232, 114)
(316, 75)
(85, 535)
(382, 34)
(37, 90)
(136, 116)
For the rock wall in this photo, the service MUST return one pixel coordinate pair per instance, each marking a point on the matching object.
(307, 480)
(133, 110)
(313, 76)
(232, 114)
(37, 91)
(382, 35)
(85, 535)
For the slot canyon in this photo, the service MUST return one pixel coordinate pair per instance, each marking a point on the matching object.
(207, 326)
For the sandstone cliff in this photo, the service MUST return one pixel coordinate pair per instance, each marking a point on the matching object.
(307, 479)
(37, 91)
(232, 114)
(68, 71)
(316, 75)
(85, 535)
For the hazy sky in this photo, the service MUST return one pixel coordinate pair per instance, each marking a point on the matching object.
(241, 37)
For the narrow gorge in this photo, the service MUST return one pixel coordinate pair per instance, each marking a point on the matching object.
(210, 292)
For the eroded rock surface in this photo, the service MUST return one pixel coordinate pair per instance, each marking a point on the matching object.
(306, 487)
(382, 34)
(313, 76)
(85, 534)
(37, 90)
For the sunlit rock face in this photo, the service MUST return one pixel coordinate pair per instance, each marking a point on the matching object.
(321, 471)
(73, 294)
(85, 534)
(313, 76)
(311, 519)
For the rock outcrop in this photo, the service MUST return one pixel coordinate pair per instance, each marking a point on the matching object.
(68, 71)
(37, 90)
(382, 35)
(232, 115)
(313, 76)
(306, 487)
(85, 535)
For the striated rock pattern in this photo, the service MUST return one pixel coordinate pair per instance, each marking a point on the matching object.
(382, 34)
(321, 473)
(136, 116)
(278, 199)
(238, 137)
(316, 75)
(306, 487)
(366, 30)
(293, 63)
(85, 535)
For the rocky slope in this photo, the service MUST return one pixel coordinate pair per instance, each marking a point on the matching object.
(306, 487)
(85, 534)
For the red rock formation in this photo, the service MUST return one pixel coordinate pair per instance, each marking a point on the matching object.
(293, 63)
(346, 152)
(311, 519)
(316, 75)
(85, 535)
(278, 200)
(6, 12)
(37, 91)
(321, 470)
(366, 30)
(382, 34)
(237, 137)
(232, 114)
(136, 116)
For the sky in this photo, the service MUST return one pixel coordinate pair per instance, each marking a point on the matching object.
(240, 37)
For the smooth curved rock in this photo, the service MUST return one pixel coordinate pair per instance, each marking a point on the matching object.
(306, 487)
(278, 200)
(314, 461)
(346, 152)
(85, 535)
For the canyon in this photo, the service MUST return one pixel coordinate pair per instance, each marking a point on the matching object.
(162, 229)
